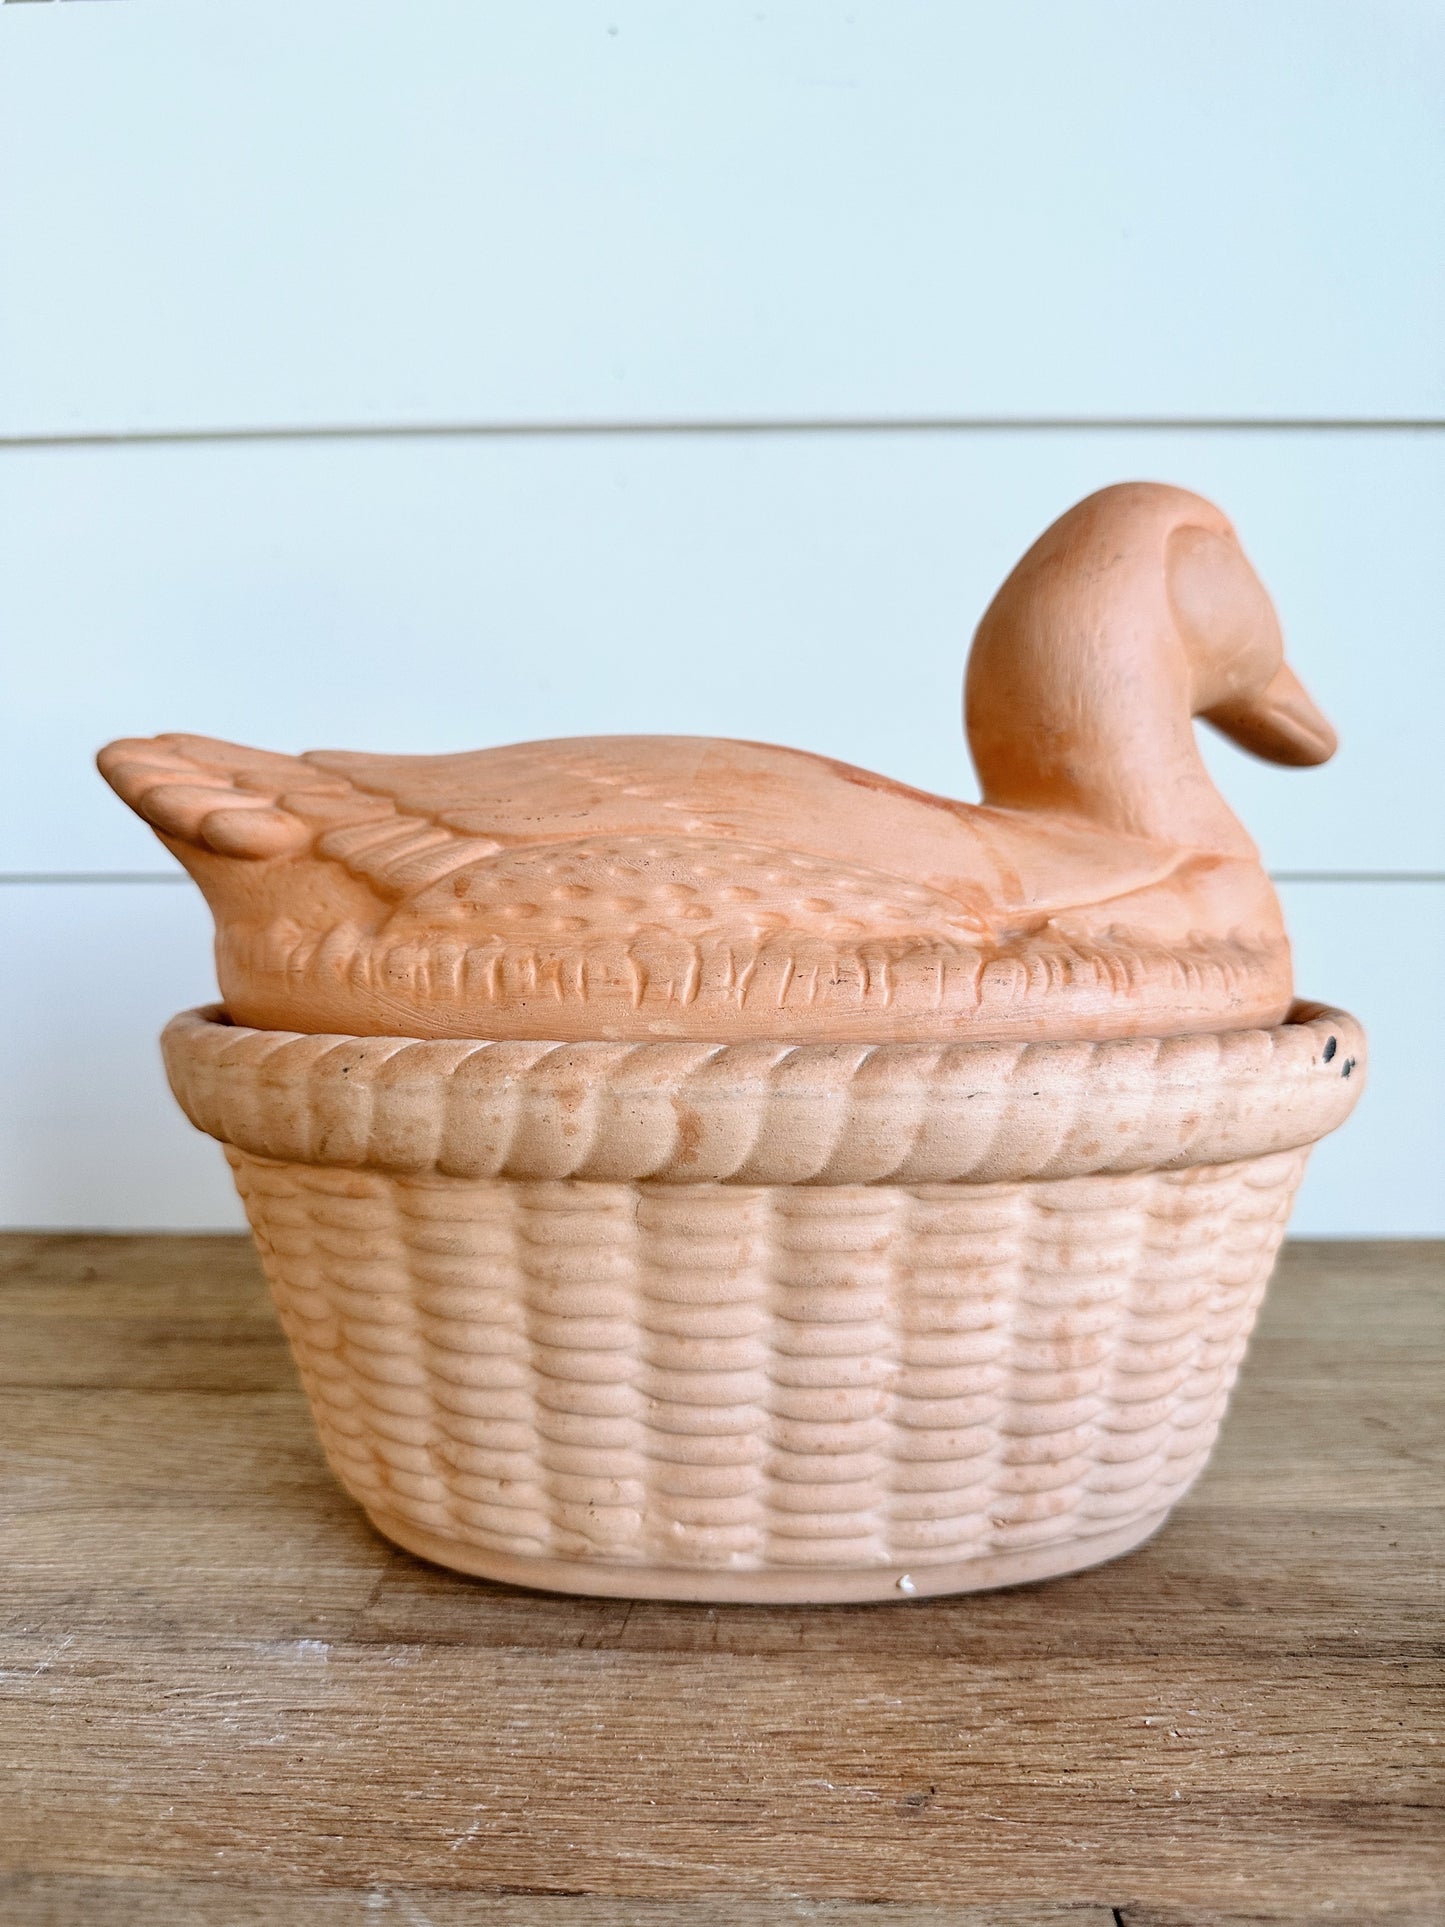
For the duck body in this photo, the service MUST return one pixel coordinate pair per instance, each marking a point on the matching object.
(641, 887)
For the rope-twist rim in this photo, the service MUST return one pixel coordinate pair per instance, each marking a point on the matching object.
(755, 1113)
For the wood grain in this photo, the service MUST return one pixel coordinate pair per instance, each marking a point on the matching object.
(223, 1699)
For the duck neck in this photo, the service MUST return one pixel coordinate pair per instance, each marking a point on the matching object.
(1085, 710)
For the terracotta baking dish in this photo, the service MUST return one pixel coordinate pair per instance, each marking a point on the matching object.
(703, 1170)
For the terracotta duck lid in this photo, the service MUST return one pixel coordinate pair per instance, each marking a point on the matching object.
(634, 887)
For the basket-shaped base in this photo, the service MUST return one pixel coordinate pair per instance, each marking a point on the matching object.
(728, 1389)
(780, 1586)
(744, 1391)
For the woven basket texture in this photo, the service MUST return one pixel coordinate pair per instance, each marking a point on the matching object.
(757, 1320)
(773, 1376)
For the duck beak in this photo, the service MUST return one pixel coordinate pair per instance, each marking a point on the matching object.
(1281, 723)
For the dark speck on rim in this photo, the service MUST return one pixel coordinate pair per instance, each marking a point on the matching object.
(1347, 1067)
(1329, 1048)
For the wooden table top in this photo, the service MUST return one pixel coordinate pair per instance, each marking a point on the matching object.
(224, 1700)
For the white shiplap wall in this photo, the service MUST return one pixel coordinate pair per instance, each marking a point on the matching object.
(421, 378)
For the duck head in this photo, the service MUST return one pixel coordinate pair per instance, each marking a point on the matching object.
(1134, 613)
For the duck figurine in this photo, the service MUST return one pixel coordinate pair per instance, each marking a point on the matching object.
(643, 887)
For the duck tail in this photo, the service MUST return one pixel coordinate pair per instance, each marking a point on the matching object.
(220, 797)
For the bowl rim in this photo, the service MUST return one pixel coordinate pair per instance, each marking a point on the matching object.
(766, 1113)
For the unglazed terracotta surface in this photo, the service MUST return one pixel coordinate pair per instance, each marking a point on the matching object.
(700, 1170)
(636, 887)
(763, 1323)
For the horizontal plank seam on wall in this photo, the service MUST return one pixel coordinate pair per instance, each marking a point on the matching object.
(179, 876)
(841, 425)
(1357, 876)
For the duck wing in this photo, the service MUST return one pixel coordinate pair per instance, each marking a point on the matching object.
(679, 790)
